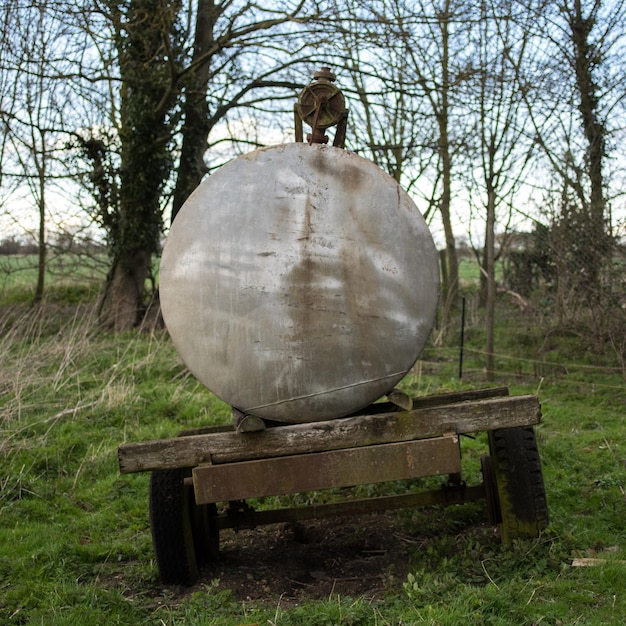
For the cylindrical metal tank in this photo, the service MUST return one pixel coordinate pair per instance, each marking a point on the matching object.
(299, 283)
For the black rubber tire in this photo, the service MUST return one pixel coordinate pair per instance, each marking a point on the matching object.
(170, 524)
(206, 534)
(521, 493)
(491, 491)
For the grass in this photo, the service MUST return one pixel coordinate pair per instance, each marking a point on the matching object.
(74, 535)
(69, 279)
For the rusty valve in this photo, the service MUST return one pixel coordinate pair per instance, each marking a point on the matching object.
(321, 105)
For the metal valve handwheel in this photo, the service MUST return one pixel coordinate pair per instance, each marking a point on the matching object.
(321, 105)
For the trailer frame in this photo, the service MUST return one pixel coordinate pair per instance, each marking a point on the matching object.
(203, 479)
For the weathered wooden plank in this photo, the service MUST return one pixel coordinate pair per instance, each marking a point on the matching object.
(327, 470)
(439, 399)
(226, 447)
(446, 497)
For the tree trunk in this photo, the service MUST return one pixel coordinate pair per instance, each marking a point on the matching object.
(192, 168)
(450, 287)
(490, 268)
(121, 306)
(584, 62)
(41, 241)
(145, 39)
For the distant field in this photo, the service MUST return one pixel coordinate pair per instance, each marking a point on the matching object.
(19, 272)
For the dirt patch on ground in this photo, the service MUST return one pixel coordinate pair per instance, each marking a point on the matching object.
(365, 556)
(356, 556)
(359, 556)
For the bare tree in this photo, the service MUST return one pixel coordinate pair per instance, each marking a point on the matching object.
(432, 66)
(35, 128)
(497, 153)
(575, 101)
(226, 40)
(586, 60)
(407, 61)
(196, 128)
(386, 123)
(7, 100)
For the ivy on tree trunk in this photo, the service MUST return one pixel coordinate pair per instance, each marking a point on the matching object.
(145, 43)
